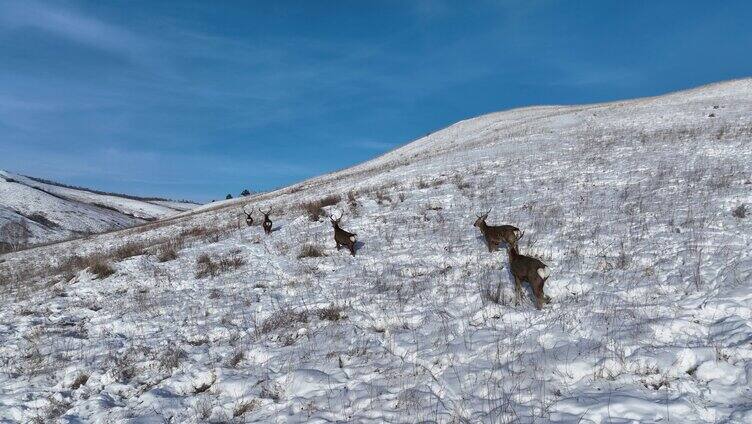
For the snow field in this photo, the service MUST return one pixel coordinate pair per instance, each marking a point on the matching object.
(628, 204)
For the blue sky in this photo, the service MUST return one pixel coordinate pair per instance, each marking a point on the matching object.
(196, 99)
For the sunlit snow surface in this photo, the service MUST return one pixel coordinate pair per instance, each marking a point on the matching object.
(628, 203)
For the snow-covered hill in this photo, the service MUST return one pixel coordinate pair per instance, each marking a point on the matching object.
(52, 212)
(636, 207)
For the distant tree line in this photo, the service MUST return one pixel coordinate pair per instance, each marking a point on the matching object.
(243, 193)
(106, 193)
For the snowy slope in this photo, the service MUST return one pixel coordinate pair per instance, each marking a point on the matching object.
(53, 212)
(629, 203)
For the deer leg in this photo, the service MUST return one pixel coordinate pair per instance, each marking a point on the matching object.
(538, 292)
(339, 246)
(517, 290)
(546, 298)
(352, 249)
(489, 243)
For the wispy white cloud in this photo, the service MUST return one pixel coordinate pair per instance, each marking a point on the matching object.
(72, 25)
(369, 144)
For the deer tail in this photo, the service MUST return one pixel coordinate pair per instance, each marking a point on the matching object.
(544, 272)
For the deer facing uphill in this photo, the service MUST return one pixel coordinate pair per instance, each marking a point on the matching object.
(248, 217)
(535, 272)
(342, 237)
(267, 224)
(495, 234)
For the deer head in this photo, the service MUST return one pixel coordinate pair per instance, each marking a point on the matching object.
(481, 219)
(335, 221)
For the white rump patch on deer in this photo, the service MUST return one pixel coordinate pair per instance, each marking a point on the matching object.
(544, 272)
(352, 238)
(517, 233)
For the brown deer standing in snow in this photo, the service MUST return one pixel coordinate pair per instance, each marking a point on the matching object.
(342, 237)
(267, 224)
(495, 234)
(248, 217)
(535, 272)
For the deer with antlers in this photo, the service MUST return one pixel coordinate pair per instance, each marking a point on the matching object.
(267, 224)
(342, 237)
(495, 234)
(248, 217)
(526, 268)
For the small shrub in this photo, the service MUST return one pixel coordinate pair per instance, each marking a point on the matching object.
(79, 381)
(202, 233)
(194, 232)
(202, 388)
(315, 209)
(310, 251)
(170, 358)
(271, 391)
(331, 313)
(282, 319)
(124, 367)
(236, 358)
(382, 197)
(739, 211)
(330, 200)
(460, 183)
(206, 266)
(128, 250)
(352, 199)
(99, 267)
(245, 406)
(168, 251)
(494, 295)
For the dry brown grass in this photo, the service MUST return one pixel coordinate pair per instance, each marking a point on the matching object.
(207, 266)
(245, 406)
(284, 318)
(315, 209)
(331, 313)
(169, 251)
(99, 267)
(129, 250)
(739, 211)
(310, 251)
(79, 381)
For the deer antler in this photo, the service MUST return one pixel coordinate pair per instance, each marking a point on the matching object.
(484, 214)
(246, 212)
(267, 212)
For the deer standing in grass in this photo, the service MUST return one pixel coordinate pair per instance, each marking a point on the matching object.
(535, 272)
(267, 224)
(495, 234)
(248, 217)
(342, 237)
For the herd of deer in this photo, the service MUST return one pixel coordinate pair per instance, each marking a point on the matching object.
(523, 268)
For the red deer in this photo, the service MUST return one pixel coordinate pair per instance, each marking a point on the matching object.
(535, 272)
(267, 224)
(342, 237)
(495, 234)
(248, 217)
